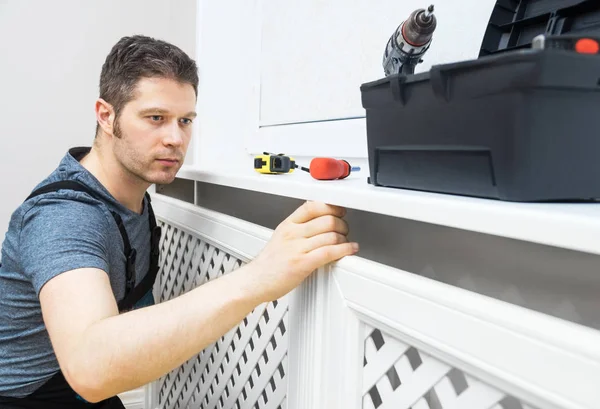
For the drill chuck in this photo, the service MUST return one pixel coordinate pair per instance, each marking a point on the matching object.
(410, 42)
(419, 27)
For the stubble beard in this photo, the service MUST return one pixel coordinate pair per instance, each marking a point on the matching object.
(134, 165)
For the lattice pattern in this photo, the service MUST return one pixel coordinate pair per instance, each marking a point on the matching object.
(245, 368)
(398, 376)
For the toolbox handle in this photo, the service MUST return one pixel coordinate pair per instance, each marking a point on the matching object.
(467, 169)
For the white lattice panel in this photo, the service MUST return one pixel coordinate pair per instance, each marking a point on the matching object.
(454, 349)
(399, 376)
(245, 368)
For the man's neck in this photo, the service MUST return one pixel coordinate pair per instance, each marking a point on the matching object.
(122, 185)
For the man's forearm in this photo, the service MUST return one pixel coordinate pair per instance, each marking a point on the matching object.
(130, 350)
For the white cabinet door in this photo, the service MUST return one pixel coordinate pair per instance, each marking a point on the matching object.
(315, 54)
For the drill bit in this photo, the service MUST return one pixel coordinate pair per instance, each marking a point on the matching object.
(428, 13)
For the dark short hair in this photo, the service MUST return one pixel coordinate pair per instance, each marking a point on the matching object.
(136, 57)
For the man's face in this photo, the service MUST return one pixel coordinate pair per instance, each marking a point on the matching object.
(153, 131)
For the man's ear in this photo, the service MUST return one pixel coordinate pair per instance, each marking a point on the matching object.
(105, 115)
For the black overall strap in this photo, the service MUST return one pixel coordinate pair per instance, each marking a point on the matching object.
(57, 394)
(60, 185)
(147, 282)
(132, 293)
(130, 255)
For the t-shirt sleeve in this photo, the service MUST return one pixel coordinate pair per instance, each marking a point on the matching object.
(59, 235)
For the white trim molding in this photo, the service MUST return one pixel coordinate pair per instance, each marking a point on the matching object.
(135, 399)
(366, 335)
(574, 226)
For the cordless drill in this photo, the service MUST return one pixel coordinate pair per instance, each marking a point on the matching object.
(409, 43)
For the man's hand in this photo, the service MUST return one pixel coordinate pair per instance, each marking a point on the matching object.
(312, 236)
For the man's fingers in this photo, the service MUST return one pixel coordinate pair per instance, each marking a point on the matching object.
(324, 239)
(311, 210)
(324, 224)
(327, 254)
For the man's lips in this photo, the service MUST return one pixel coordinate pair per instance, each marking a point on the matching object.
(168, 161)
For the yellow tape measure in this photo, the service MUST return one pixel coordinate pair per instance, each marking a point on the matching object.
(273, 164)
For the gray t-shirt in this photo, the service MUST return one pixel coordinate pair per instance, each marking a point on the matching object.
(48, 235)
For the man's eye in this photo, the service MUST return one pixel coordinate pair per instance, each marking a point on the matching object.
(186, 121)
(156, 118)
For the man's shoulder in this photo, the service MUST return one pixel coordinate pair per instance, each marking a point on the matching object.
(68, 185)
(68, 169)
(61, 231)
(64, 198)
(64, 216)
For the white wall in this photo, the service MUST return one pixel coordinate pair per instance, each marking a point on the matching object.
(51, 53)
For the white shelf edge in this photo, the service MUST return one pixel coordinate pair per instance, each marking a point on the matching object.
(569, 226)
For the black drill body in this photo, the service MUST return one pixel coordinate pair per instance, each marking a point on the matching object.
(409, 43)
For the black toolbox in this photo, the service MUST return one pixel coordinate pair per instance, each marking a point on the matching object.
(515, 124)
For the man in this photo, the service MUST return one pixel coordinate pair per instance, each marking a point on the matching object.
(76, 254)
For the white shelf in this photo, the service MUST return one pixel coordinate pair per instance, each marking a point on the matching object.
(570, 226)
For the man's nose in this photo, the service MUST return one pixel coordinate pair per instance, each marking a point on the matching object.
(173, 135)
